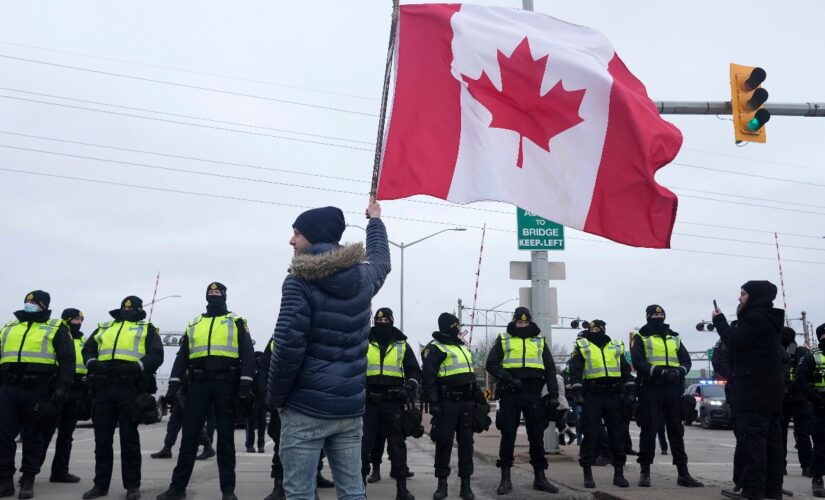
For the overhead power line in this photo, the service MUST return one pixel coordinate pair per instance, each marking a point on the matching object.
(186, 85)
(180, 115)
(178, 122)
(746, 174)
(191, 71)
(292, 205)
(756, 160)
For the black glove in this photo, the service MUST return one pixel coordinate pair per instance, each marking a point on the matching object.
(513, 385)
(61, 394)
(578, 396)
(411, 385)
(172, 392)
(245, 389)
(435, 410)
(673, 376)
(132, 368)
(658, 372)
(629, 399)
(93, 365)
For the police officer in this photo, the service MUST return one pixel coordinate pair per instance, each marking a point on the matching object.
(601, 381)
(256, 421)
(450, 389)
(74, 407)
(795, 405)
(391, 371)
(522, 364)
(36, 356)
(661, 362)
(810, 376)
(218, 355)
(122, 357)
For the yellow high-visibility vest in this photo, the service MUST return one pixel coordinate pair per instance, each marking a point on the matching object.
(459, 359)
(522, 353)
(79, 367)
(661, 351)
(601, 362)
(391, 365)
(121, 340)
(213, 336)
(819, 371)
(25, 342)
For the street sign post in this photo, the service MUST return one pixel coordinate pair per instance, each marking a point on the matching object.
(537, 233)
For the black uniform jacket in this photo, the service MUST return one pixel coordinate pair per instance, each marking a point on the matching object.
(246, 354)
(496, 357)
(578, 361)
(409, 364)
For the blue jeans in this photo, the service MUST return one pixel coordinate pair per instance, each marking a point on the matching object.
(303, 437)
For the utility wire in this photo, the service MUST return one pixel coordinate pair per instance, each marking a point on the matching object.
(292, 205)
(757, 160)
(733, 172)
(183, 157)
(192, 71)
(178, 122)
(186, 85)
(747, 197)
(179, 115)
(325, 189)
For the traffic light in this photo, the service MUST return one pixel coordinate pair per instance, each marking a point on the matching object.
(705, 325)
(747, 98)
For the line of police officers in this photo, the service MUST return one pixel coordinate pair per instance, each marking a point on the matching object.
(45, 387)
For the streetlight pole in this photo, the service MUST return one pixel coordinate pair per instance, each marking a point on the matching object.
(402, 246)
(158, 300)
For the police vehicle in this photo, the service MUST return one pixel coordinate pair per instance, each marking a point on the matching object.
(712, 409)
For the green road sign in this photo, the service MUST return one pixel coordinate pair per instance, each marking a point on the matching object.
(627, 357)
(710, 353)
(537, 233)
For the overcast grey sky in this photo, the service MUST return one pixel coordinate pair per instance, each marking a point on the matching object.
(90, 244)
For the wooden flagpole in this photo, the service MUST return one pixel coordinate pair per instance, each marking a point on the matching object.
(376, 168)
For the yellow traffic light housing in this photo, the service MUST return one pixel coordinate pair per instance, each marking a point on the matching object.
(747, 98)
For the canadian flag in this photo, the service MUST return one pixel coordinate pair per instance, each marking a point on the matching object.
(514, 106)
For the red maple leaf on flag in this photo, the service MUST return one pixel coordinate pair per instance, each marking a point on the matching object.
(519, 105)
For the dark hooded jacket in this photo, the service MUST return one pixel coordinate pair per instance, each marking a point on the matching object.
(755, 346)
(319, 359)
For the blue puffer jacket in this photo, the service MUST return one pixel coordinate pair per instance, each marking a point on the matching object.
(319, 362)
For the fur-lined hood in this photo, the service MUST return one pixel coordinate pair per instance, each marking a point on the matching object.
(332, 267)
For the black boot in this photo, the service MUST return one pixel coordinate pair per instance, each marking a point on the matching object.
(322, 482)
(277, 491)
(588, 477)
(506, 486)
(133, 494)
(171, 494)
(618, 477)
(63, 477)
(95, 492)
(817, 487)
(26, 486)
(644, 477)
(540, 481)
(401, 492)
(441, 490)
(375, 475)
(466, 493)
(208, 452)
(7, 488)
(165, 452)
(685, 478)
(229, 496)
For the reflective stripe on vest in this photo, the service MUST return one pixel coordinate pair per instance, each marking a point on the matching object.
(388, 366)
(24, 342)
(819, 372)
(272, 344)
(459, 359)
(522, 353)
(122, 340)
(661, 351)
(608, 361)
(213, 336)
(79, 367)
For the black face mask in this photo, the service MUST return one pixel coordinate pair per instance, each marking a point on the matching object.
(822, 344)
(787, 339)
(383, 331)
(132, 315)
(74, 328)
(657, 324)
(215, 300)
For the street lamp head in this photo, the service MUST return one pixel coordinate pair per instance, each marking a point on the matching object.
(459, 229)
